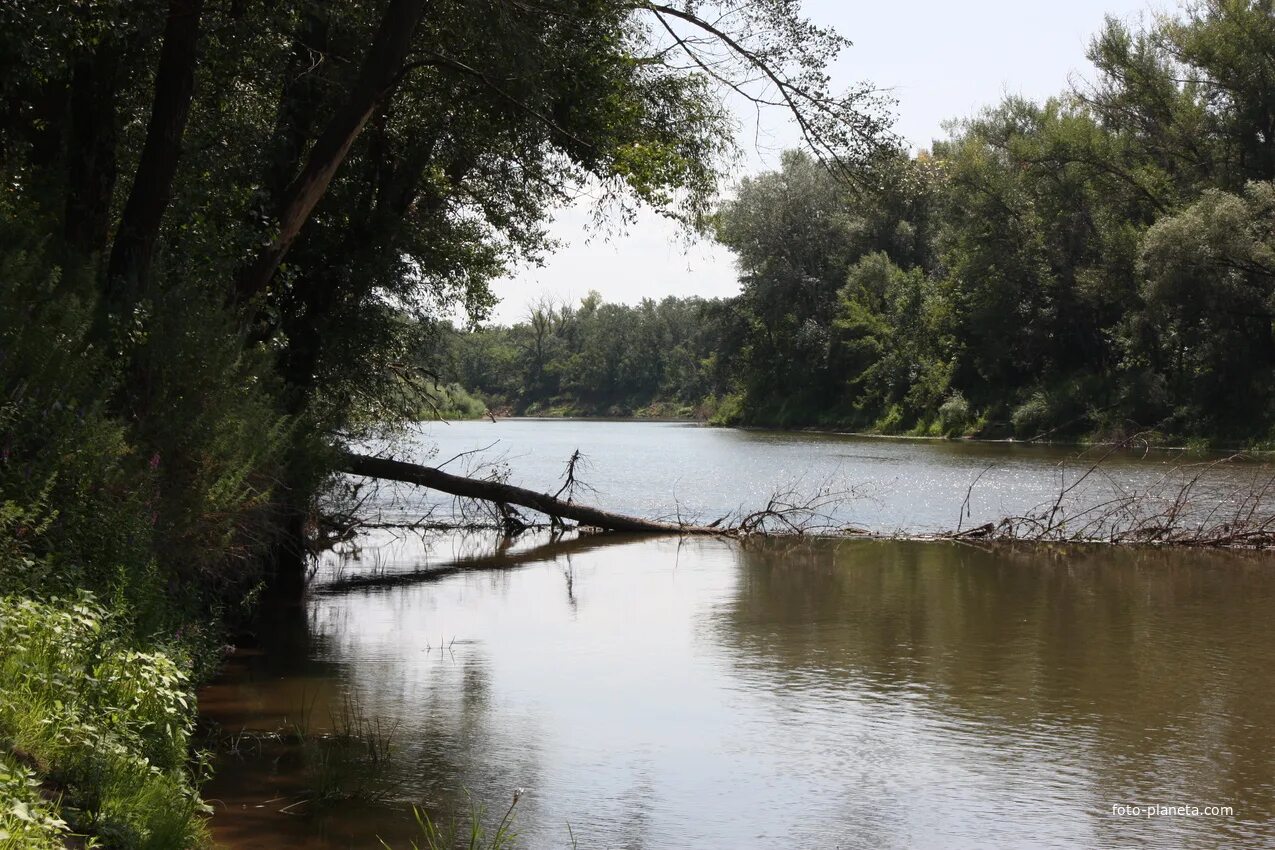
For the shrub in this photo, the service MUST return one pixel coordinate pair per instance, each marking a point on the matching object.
(213, 438)
(1032, 417)
(77, 498)
(140, 467)
(890, 421)
(727, 410)
(452, 401)
(955, 415)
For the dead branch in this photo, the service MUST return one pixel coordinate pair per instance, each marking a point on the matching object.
(1182, 508)
(571, 483)
(791, 512)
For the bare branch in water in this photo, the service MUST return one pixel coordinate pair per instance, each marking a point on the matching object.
(1183, 507)
(571, 483)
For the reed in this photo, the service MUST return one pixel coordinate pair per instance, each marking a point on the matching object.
(468, 832)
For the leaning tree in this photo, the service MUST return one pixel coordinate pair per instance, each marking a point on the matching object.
(326, 173)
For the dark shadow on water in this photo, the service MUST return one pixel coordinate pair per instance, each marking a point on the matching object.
(539, 548)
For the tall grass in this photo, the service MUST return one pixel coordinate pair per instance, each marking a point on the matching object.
(101, 726)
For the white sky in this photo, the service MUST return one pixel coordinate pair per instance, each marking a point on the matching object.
(941, 59)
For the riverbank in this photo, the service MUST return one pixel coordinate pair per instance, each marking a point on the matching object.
(1141, 441)
(729, 412)
(1158, 442)
(655, 411)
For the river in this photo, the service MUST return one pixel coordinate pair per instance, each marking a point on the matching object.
(665, 694)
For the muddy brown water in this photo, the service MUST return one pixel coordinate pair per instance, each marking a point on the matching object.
(710, 694)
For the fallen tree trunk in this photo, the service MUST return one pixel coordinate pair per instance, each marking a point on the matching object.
(507, 494)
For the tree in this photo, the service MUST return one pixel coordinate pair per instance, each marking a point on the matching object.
(313, 185)
(1065, 266)
(133, 252)
(1209, 282)
(1221, 44)
(893, 343)
(796, 233)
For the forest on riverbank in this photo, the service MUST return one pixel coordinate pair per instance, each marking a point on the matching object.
(1099, 264)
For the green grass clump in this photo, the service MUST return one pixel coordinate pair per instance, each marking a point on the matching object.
(468, 833)
(102, 728)
(27, 820)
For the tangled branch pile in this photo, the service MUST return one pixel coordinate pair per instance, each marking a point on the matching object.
(1188, 506)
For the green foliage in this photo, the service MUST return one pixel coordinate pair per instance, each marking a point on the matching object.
(27, 820)
(158, 513)
(451, 401)
(1101, 262)
(84, 506)
(216, 436)
(890, 421)
(727, 410)
(1209, 287)
(108, 724)
(796, 234)
(955, 416)
(77, 501)
(1032, 417)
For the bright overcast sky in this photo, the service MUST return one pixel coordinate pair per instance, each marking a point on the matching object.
(942, 60)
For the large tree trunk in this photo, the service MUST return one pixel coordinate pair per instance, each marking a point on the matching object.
(323, 296)
(299, 107)
(90, 156)
(380, 70)
(507, 494)
(133, 252)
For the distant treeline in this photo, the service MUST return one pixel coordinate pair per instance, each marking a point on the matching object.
(1101, 263)
(593, 358)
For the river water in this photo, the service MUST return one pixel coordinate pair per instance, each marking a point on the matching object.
(675, 469)
(667, 694)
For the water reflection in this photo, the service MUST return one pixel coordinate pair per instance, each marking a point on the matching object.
(1063, 680)
(657, 694)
